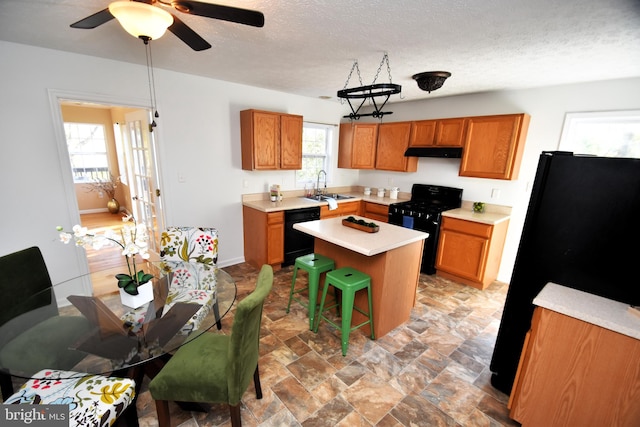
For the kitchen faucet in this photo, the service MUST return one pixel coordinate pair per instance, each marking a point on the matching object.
(318, 192)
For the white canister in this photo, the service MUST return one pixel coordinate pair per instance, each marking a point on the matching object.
(380, 192)
(367, 191)
(393, 193)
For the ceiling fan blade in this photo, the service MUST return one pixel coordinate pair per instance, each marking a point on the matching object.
(94, 20)
(216, 11)
(187, 35)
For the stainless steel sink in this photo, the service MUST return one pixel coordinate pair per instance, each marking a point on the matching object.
(322, 197)
(340, 196)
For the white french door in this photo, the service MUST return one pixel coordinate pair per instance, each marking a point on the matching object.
(143, 177)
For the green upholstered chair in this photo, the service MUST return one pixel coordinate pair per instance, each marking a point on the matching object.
(215, 368)
(32, 333)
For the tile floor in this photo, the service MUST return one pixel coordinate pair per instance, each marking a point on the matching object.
(431, 371)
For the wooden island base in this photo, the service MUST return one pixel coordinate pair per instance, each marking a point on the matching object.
(394, 282)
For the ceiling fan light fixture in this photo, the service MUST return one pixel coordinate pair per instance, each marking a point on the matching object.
(141, 20)
(431, 80)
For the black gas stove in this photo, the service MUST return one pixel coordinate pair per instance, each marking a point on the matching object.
(424, 213)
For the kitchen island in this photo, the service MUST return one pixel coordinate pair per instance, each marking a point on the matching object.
(391, 257)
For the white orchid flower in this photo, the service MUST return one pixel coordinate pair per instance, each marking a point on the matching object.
(79, 231)
(65, 237)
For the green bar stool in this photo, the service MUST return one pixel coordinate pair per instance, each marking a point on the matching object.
(349, 281)
(315, 265)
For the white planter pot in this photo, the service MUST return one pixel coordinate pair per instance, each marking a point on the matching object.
(145, 294)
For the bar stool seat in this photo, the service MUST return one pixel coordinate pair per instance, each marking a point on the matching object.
(314, 265)
(349, 281)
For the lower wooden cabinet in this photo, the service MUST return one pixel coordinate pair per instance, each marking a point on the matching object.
(470, 252)
(375, 211)
(264, 231)
(574, 373)
(263, 237)
(343, 209)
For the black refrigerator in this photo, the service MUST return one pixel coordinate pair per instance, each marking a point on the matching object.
(582, 230)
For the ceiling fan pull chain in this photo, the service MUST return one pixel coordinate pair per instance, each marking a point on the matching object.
(152, 85)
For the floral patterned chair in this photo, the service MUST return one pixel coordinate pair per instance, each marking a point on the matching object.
(190, 254)
(190, 244)
(94, 400)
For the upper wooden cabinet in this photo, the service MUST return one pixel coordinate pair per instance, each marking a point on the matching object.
(493, 146)
(440, 133)
(393, 141)
(357, 146)
(270, 140)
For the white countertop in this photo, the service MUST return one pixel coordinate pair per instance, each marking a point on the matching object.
(609, 314)
(388, 237)
(485, 217)
(266, 205)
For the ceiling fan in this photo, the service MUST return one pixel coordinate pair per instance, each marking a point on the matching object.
(177, 27)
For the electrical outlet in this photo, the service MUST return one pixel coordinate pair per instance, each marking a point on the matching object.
(245, 183)
(495, 193)
(100, 194)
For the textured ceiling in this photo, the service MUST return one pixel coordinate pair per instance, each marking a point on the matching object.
(308, 47)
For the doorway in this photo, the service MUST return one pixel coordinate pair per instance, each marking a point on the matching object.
(131, 157)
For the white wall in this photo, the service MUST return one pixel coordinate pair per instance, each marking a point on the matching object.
(198, 135)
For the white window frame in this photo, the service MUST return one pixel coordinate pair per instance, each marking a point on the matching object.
(97, 175)
(300, 176)
(607, 130)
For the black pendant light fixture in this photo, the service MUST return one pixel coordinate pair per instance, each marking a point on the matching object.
(431, 80)
(369, 92)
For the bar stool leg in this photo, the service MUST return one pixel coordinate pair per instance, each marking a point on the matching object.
(314, 281)
(348, 297)
(293, 284)
(373, 335)
(321, 309)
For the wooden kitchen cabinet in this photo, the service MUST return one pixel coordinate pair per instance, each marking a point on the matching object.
(393, 141)
(263, 237)
(343, 209)
(357, 145)
(438, 133)
(470, 252)
(375, 211)
(574, 373)
(270, 140)
(493, 146)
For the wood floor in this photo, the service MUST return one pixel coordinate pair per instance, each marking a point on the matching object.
(104, 263)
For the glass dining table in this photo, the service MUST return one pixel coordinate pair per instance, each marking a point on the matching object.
(189, 299)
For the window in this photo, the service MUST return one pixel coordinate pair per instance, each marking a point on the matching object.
(87, 151)
(607, 134)
(316, 144)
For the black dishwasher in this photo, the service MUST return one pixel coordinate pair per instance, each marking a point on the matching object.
(297, 243)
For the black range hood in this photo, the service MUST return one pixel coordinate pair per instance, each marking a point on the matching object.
(447, 152)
